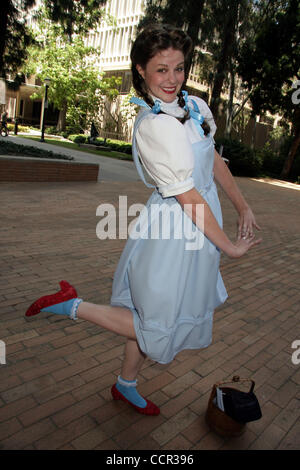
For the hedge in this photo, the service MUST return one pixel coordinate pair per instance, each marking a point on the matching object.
(78, 138)
(243, 161)
(10, 148)
(11, 128)
(117, 145)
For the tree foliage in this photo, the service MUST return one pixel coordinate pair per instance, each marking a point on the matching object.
(216, 27)
(76, 88)
(269, 65)
(227, 22)
(75, 17)
(15, 36)
(253, 41)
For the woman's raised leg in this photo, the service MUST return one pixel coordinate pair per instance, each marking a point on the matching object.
(116, 319)
(66, 302)
(119, 320)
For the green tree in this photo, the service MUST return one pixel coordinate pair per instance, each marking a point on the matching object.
(15, 36)
(77, 88)
(269, 65)
(227, 24)
(75, 17)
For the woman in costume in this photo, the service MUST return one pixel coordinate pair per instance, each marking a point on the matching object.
(167, 283)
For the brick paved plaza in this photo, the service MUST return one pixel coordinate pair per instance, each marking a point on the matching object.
(55, 385)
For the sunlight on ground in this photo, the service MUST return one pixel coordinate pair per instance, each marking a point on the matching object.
(283, 184)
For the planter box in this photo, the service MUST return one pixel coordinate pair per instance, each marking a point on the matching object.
(38, 169)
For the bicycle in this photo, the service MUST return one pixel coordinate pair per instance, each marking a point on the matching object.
(4, 130)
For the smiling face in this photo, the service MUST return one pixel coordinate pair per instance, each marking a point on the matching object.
(164, 74)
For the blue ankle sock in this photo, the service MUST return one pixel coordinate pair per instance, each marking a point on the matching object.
(69, 308)
(128, 389)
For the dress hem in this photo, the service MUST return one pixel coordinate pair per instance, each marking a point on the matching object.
(140, 337)
(186, 348)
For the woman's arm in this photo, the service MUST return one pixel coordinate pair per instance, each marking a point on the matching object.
(223, 176)
(209, 225)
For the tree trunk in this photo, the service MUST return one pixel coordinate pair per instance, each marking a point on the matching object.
(253, 137)
(294, 147)
(229, 30)
(241, 106)
(3, 28)
(194, 22)
(291, 156)
(229, 110)
(62, 118)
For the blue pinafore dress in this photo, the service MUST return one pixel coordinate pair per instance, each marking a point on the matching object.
(168, 274)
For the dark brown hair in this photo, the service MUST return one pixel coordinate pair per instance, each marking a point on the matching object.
(151, 40)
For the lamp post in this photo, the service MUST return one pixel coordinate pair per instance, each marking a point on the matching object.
(47, 83)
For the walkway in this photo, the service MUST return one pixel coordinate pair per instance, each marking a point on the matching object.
(55, 385)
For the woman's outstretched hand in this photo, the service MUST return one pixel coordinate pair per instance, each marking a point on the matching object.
(242, 245)
(246, 223)
(245, 234)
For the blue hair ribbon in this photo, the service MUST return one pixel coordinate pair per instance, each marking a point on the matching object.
(155, 109)
(139, 102)
(194, 113)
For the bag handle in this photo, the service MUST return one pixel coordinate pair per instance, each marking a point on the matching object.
(237, 379)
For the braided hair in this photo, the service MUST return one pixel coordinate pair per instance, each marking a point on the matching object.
(153, 39)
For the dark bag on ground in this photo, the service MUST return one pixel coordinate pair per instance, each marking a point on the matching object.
(241, 406)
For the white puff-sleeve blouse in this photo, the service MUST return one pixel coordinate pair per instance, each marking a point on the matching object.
(166, 153)
(165, 147)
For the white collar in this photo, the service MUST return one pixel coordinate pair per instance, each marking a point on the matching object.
(173, 108)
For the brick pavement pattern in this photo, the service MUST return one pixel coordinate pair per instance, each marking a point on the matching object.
(55, 385)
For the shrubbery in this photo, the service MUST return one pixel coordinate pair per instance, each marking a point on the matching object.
(243, 160)
(78, 138)
(70, 130)
(272, 163)
(117, 145)
(10, 148)
(11, 128)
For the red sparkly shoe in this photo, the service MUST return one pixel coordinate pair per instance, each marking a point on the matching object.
(67, 292)
(150, 409)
